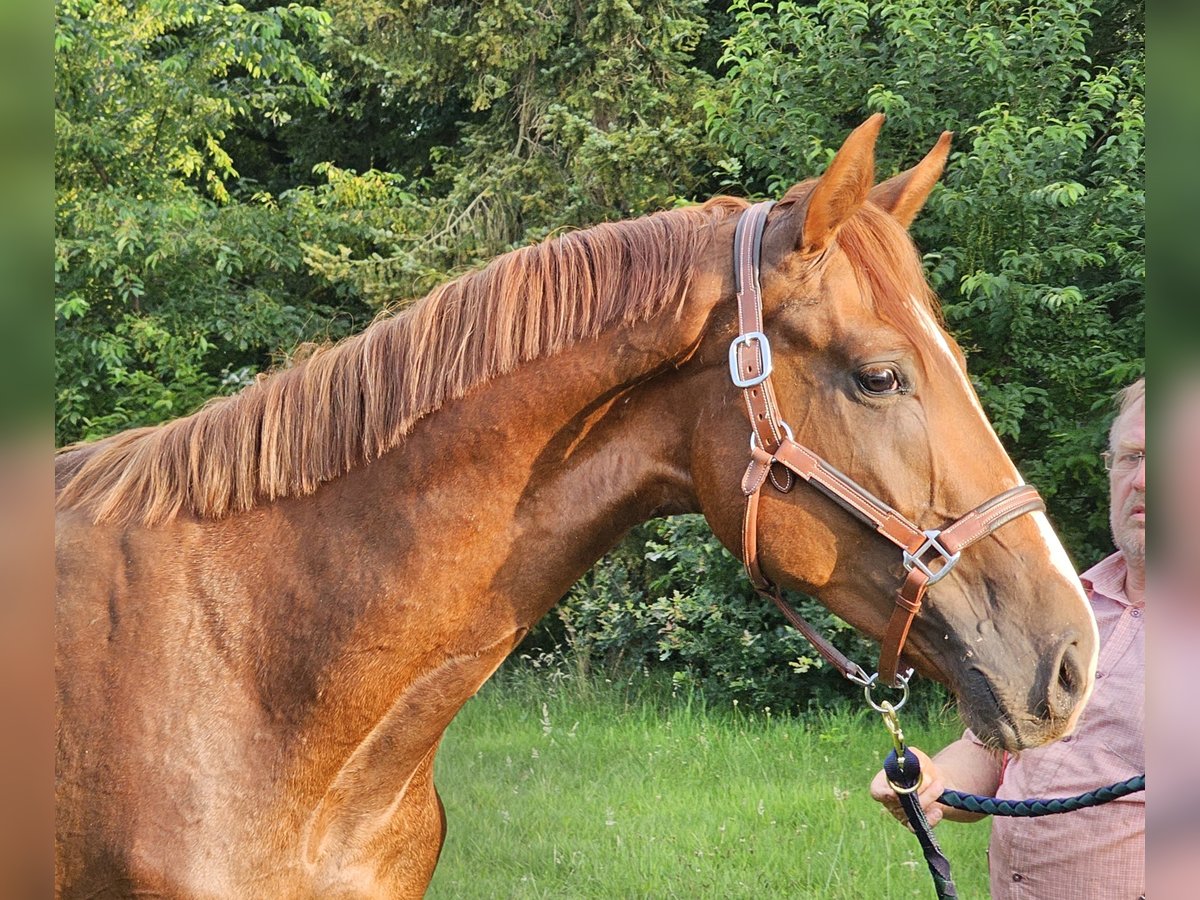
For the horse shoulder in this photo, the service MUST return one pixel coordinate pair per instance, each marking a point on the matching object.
(383, 791)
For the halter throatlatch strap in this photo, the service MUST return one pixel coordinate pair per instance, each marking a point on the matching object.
(928, 555)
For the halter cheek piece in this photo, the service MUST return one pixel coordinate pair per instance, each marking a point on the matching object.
(928, 556)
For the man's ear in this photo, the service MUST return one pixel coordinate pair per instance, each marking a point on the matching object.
(903, 195)
(842, 189)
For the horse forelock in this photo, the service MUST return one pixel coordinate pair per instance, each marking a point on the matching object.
(888, 269)
(890, 272)
(348, 403)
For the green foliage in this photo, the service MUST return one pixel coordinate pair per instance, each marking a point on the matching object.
(167, 287)
(149, 91)
(553, 114)
(208, 215)
(671, 595)
(1036, 238)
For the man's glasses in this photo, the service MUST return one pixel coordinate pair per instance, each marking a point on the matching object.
(1126, 461)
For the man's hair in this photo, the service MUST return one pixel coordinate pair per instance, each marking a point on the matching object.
(1124, 399)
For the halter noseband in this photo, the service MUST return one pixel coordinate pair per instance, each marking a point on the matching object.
(928, 555)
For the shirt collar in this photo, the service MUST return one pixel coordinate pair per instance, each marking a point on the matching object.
(1107, 578)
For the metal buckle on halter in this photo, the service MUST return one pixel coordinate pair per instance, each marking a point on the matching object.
(912, 560)
(764, 352)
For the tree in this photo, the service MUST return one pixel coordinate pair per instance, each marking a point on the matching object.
(174, 278)
(235, 182)
(523, 118)
(1036, 238)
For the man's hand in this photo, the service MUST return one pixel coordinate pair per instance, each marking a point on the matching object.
(932, 786)
(964, 765)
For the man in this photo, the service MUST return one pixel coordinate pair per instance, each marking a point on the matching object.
(1097, 853)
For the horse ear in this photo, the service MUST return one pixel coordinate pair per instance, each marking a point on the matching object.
(843, 188)
(905, 194)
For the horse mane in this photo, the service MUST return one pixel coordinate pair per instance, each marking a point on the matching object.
(348, 403)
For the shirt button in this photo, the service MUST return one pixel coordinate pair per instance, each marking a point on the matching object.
(1136, 613)
(1099, 675)
(1017, 876)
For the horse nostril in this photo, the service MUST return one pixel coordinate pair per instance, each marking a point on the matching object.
(1067, 676)
(1067, 682)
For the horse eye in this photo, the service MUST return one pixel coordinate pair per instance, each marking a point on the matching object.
(879, 380)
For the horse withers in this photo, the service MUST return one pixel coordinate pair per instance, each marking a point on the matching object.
(269, 611)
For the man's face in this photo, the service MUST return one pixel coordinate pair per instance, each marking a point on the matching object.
(1127, 484)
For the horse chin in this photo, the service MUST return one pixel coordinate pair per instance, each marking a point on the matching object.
(996, 724)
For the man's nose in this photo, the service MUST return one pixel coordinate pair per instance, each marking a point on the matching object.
(1139, 474)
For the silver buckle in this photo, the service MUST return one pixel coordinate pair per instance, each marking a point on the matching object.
(912, 560)
(764, 352)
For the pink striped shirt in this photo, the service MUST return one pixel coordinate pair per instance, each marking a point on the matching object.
(1097, 853)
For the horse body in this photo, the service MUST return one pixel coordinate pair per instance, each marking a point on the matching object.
(252, 684)
(282, 677)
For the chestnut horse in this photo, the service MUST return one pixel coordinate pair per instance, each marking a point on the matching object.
(269, 611)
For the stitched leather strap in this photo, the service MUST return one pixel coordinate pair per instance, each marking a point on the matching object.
(987, 517)
(751, 353)
(965, 531)
(857, 500)
(908, 604)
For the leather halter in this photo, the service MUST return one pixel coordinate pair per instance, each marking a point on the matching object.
(928, 555)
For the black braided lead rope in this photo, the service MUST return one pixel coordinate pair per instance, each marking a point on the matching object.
(904, 773)
(1038, 807)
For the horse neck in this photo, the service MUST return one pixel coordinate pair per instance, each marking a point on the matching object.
(466, 534)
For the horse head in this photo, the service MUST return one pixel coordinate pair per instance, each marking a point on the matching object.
(868, 382)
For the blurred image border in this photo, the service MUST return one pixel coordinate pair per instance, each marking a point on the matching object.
(1173, 329)
(26, 444)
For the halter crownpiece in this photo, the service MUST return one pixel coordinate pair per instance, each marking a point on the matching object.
(928, 555)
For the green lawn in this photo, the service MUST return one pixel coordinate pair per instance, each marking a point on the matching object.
(587, 789)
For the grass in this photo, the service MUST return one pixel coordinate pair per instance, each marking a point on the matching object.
(584, 789)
